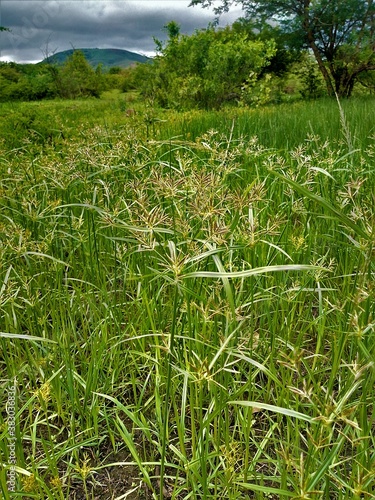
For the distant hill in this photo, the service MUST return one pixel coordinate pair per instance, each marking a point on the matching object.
(107, 57)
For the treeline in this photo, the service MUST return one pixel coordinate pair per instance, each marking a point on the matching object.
(74, 79)
(214, 67)
(237, 65)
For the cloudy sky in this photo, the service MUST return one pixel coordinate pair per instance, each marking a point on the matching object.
(38, 26)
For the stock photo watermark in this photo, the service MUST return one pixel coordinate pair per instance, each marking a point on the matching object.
(11, 422)
(44, 12)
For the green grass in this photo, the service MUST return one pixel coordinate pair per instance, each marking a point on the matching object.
(186, 301)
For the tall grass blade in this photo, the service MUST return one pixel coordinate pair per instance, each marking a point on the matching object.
(276, 409)
(251, 272)
(324, 203)
(268, 490)
(26, 337)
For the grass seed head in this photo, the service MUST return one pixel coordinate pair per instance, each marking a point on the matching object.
(29, 483)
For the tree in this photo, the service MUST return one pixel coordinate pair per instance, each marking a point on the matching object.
(206, 69)
(285, 56)
(77, 78)
(340, 33)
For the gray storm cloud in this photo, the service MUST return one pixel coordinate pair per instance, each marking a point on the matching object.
(42, 26)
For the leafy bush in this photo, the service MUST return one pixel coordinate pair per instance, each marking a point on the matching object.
(204, 70)
(25, 82)
(78, 79)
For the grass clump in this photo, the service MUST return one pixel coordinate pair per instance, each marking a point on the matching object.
(188, 317)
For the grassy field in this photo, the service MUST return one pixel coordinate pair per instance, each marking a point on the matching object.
(187, 301)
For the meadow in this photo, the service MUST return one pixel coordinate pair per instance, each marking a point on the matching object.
(187, 301)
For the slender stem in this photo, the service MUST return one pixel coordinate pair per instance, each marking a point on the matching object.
(164, 437)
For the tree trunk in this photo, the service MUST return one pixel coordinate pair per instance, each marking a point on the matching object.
(321, 65)
(344, 82)
(305, 12)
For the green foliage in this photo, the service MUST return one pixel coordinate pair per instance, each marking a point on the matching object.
(78, 79)
(30, 128)
(312, 83)
(286, 52)
(119, 78)
(173, 30)
(74, 79)
(115, 70)
(206, 69)
(128, 78)
(367, 81)
(30, 82)
(340, 33)
(25, 82)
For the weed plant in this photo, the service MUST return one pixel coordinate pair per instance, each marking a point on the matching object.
(188, 312)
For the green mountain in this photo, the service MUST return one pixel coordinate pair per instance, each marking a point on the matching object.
(107, 57)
